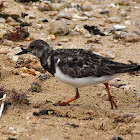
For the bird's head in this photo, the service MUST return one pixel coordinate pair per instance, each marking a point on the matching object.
(37, 48)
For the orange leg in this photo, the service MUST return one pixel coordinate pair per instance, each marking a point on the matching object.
(73, 99)
(112, 102)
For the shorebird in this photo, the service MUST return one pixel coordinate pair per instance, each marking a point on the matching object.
(78, 67)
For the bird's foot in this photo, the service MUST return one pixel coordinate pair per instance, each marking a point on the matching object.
(59, 103)
(112, 102)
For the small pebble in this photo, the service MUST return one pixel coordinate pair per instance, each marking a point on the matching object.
(37, 73)
(115, 5)
(86, 6)
(23, 75)
(136, 32)
(13, 23)
(101, 23)
(59, 28)
(2, 20)
(132, 37)
(89, 14)
(135, 7)
(20, 61)
(15, 58)
(27, 118)
(25, 70)
(55, 6)
(115, 41)
(112, 20)
(88, 35)
(80, 29)
(11, 128)
(43, 77)
(4, 50)
(45, 139)
(50, 37)
(128, 22)
(127, 44)
(44, 7)
(65, 15)
(108, 53)
(119, 27)
(123, 2)
(116, 36)
(38, 26)
(77, 17)
(10, 19)
(53, 13)
(127, 17)
(123, 13)
(64, 40)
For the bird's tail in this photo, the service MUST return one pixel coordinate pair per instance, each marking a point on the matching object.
(132, 68)
(137, 68)
(124, 68)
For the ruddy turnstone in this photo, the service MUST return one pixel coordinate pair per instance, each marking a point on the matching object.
(78, 67)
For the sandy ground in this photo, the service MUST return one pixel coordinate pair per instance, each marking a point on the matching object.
(88, 118)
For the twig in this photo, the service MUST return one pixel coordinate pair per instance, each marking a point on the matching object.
(2, 104)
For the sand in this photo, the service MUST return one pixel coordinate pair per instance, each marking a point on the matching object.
(88, 118)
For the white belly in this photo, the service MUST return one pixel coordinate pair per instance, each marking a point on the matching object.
(81, 82)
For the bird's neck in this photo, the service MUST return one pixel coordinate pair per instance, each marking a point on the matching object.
(46, 61)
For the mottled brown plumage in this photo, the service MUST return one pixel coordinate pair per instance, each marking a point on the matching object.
(79, 63)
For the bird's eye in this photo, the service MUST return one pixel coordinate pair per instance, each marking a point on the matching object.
(33, 47)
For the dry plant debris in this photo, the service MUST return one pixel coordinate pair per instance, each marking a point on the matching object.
(18, 34)
(18, 98)
(13, 97)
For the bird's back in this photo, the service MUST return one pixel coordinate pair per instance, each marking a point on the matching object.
(81, 63)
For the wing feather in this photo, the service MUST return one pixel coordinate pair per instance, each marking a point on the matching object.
(79, 63)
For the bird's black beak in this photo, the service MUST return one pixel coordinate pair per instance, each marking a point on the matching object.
(24, 51)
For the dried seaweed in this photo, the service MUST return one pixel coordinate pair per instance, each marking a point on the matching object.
(18, 34)
(2, 91)
(18, 98)
(94, 30)
(44, 112)
(13, 97)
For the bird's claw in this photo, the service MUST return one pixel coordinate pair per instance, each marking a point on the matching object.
(112, 102)
(59, 103)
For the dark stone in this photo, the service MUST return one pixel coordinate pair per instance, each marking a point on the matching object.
(44, 20)
(12, 139)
